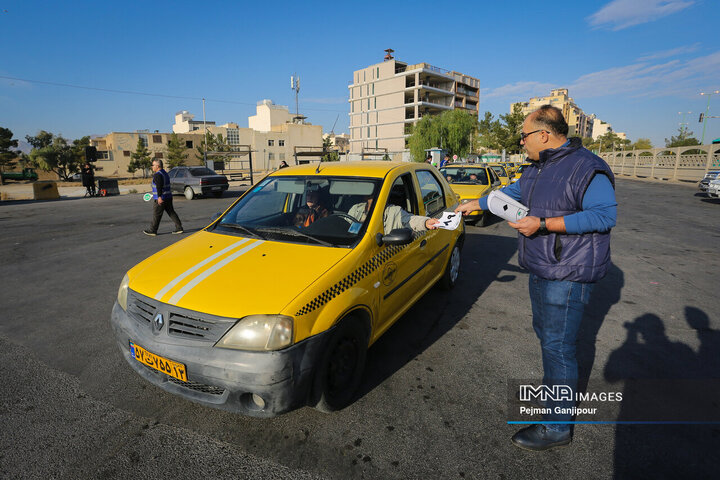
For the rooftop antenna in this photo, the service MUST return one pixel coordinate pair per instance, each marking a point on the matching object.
(332, 132)
(295, 85)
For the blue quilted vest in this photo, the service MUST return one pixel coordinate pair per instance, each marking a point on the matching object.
(554, 187)
(166, 193)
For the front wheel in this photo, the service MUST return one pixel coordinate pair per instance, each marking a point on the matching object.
(341, 366)
(452, 271)
(189, 193)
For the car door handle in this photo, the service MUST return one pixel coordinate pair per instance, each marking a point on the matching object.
(423, 243)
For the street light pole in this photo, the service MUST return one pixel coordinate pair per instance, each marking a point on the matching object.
(707, 112)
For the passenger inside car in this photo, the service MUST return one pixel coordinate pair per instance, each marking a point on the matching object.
(394, 216)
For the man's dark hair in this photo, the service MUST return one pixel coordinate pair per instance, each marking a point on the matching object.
(158, 161)
(551, 119)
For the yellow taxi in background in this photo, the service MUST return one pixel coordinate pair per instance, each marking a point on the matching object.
(502, 172)
(274, 305)
(469, 182)
(518, 173)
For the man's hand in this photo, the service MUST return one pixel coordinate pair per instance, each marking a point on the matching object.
(468, 207)
(431, 223)
(526, 225)
(160, 200)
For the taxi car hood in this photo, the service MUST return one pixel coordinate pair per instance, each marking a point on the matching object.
(470, 191)
(231, 276)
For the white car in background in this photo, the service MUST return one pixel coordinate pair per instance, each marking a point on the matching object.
(714, 187)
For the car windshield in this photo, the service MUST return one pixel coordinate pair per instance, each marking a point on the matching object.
(317, 210)
(201, 172)
(465, 175)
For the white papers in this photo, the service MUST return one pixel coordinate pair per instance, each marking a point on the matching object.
(505, 207)
(449, 220)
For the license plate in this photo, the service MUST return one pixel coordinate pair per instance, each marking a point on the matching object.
(161, 364)
(216, 188)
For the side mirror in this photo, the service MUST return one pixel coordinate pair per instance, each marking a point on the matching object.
(399, 236)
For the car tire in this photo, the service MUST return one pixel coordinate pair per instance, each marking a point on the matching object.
(189, 193)
(452, 270)
(341, 366)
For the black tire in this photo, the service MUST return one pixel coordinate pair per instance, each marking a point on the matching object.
(189, 193)
(341, 366)
(452, 270)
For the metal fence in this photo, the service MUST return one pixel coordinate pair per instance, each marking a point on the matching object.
(685, 164)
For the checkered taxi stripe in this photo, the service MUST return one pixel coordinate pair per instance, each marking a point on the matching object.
(361, 272)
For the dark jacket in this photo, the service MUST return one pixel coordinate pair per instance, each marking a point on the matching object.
(87, 175)
(161, 184)
(554, 187)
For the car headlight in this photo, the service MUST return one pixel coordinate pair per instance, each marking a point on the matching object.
(123, 291)
(259, 332)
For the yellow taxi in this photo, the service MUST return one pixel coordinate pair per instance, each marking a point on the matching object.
(469, 182)
(518, 172)
(502, 172)
(274, 305)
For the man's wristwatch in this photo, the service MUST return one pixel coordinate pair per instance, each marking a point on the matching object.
(543, 228)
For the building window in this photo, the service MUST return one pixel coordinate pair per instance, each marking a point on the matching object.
(188, 144)
(378, 72)
(368, 132)
(126, 153)
(281, 156)
(373, 89)
(368, 104)
(271, 143)
(157, 138)
(233, 136)
(271, 156)
(375, 102)
(158, 155)
(281, 143)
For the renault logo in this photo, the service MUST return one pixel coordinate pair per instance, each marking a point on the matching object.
(158, 322)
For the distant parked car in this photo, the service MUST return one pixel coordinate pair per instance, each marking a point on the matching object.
(714, 187)
(705, 182)
(75, 177)
(193, 181)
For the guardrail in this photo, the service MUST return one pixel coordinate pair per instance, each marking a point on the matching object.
(683, 164)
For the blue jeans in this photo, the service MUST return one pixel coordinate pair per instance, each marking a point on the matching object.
(558, 308)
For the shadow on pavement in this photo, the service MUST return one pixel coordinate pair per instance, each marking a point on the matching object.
(666, 381)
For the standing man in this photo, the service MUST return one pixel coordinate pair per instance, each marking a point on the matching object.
(564, 242)
(162, 199)
(88, 179)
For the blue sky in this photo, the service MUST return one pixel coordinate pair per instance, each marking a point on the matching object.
(634, 63)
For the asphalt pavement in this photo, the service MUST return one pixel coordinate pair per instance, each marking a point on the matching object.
(434, 401)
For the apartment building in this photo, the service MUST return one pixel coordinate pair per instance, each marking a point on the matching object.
(580, 124)
(272, 137)
(387, 98)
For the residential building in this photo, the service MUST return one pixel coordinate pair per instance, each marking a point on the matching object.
(580, 124)
(184, 123)
(338, 141)
(387, 98)
(273, 139)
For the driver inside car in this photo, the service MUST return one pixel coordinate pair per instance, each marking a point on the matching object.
(311, 211)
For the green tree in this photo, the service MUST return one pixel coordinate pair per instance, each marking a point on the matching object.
(509, 129)
(642, 144)
(176, 151)
(140, 159)
(216, 144)
(331, 154)
(606, 143)
(54, 154)
(684, 138)
(7, 155)
(454, 130)
(488, 128)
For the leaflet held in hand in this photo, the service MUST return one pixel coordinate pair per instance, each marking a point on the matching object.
(505, 207)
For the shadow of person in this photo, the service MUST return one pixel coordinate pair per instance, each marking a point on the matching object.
(709, 351)
(605, 294)
(663, 381)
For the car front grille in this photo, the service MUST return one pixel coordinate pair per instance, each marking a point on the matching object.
(181, 323)
(195, 386)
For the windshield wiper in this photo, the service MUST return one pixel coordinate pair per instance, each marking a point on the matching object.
(297, 233)
(237, 226)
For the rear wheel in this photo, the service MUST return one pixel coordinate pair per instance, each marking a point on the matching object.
(341, 366)
(452, 270)
(189, 193)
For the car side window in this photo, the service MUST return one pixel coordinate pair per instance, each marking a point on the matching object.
(432, 192)
(172, 173)
(402, 194)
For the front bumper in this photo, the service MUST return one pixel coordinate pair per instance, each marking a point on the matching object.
(224, 378)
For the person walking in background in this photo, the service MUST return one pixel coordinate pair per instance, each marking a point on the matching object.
(162, 199)
(88, 179)
(564, 242)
